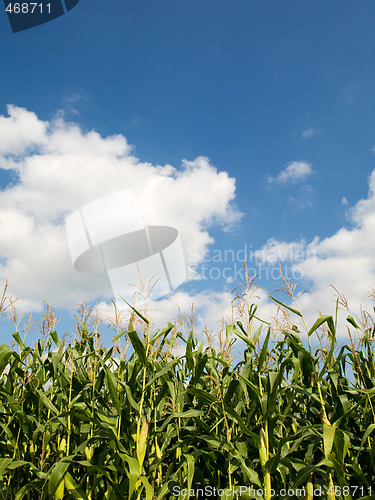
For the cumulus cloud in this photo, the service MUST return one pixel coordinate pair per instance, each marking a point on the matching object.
(345, 260)
(275, 251)
(60, 167)
(296, 171)
(207, 312)
(20, 132)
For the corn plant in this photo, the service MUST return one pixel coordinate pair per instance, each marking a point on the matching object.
(83, 421)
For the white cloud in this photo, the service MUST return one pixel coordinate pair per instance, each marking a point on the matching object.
(296, 171)
(20, 131)
(60, 168)
(275, 251)
(203, 311)
(308, 133)
(345, 260)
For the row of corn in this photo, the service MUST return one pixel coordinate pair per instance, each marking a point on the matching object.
(78, 421)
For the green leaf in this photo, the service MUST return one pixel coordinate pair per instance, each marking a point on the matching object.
(369, 430)
(119, 336)
(190, 469)
(111, 384)
(163, 492)
(133, 472)
(73, 488)
(257, 334)
(20, 463)
(232, 328)
(233, 386)
(163, 371)
(302, 475)
(264, 351)
(5, 355)
(322, 319)
(328, 438)
(351, 320)
(252, 386)
(287, 307)
(189, 351)
(17, 338)
(164, 331)
(32, 486)
(137, 312)
(57, 476)
(54, 336)
(4, 462)
(147, 486)
(138, 346)
(202, 395)
(131, 400)
(47, 402)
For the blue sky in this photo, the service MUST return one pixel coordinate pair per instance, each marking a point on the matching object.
(278, 94)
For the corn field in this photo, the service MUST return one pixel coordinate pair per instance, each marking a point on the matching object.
(81, 421)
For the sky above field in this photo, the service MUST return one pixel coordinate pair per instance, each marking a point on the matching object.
(249, 126)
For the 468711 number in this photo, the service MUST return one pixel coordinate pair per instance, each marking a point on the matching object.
(349, 491)
(28, 8)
